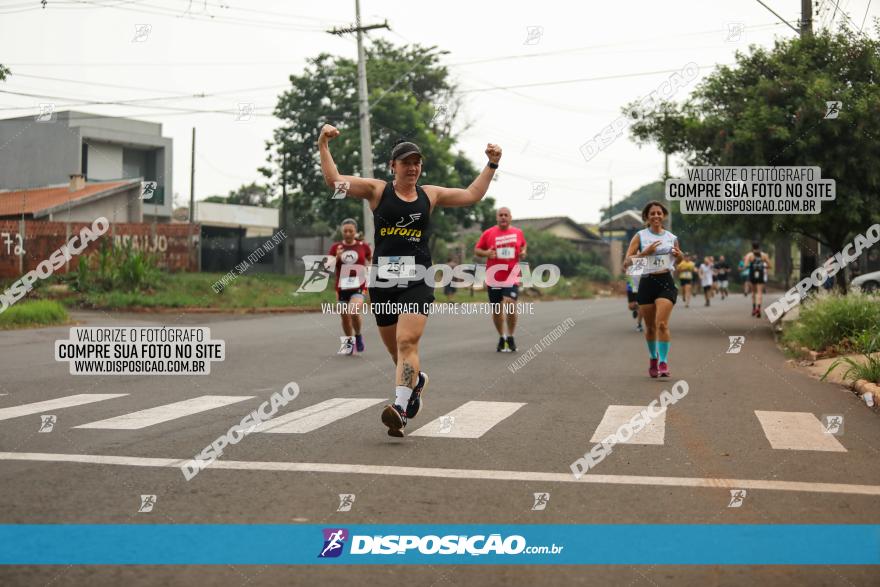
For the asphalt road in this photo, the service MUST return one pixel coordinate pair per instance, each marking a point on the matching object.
(533, 423)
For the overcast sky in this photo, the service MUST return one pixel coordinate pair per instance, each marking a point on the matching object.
(572, 75)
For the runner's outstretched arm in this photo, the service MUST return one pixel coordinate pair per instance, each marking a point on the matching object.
(457, 197)
(359, 187)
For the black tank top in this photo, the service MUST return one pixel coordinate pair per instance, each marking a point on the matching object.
(403, 228)
(756, 267)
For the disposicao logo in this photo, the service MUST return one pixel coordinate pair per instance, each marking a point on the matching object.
(334, 541)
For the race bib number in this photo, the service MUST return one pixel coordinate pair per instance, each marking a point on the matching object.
(397, 267)
(686, 275)
(505, 253)
(650, 264)
(351, 282)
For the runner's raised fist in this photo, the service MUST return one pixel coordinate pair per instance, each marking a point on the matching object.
(328, 131)
(493, 152)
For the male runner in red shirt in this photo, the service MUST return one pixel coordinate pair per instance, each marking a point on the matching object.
(503, 245)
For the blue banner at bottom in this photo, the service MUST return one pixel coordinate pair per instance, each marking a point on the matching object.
(418, 544)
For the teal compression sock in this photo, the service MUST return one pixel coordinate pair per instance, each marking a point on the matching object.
(652, 348)
(663, 349)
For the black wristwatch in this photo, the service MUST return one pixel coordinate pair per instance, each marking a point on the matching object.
(492, 165)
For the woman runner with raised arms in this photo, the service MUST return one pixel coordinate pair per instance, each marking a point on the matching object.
(402, 212)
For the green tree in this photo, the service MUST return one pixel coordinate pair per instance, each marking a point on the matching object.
(697, 236)
(411, 97)
(768, 109)
(246, 195)
(636, 200)
(4, 71)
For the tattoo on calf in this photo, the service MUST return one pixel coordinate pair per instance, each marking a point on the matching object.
(407, 375)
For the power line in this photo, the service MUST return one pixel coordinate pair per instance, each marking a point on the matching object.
(183, 112)
(271, 13)
(577, 80)
(150, 64)
(130, 103)
(29, 6)
(119, 86)
(866, 16)
(779, 17)
(591, 47)
(846, 16)
(144, 8)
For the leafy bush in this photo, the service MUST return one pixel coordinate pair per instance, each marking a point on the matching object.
(866, 342)
(834, 321)
(117, 268)
(594, 273)
(546, 248)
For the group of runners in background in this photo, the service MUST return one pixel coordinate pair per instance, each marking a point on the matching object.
(401, 213)
(714, 278)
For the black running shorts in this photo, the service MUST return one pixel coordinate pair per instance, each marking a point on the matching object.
(344, 295)
(496, 294)
(656, 285)
(387, 303)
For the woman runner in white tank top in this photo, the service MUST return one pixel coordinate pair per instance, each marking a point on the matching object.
(651, 256)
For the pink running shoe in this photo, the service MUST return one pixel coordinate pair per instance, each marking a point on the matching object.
(652, 370)
(663, 368)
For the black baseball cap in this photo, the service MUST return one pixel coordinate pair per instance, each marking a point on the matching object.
(404, 149)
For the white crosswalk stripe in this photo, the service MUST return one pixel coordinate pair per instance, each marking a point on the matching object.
(783, 430)
(616, 416)
(56, 404)
(165, 413)
(797, 431)
(317, 416)
(471, 420)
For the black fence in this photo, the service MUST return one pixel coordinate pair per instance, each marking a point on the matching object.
(221, 254)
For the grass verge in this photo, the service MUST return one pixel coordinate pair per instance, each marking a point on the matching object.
(838, 323)
(258, 291)
(33, 313)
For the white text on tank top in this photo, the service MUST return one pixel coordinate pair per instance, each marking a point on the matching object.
(661, 260)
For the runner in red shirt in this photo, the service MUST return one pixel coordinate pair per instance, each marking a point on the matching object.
(503, 245)
(351, 283)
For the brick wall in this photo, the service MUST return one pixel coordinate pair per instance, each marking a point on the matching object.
(174, 245)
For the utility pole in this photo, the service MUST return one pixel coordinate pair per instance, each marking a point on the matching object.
(806, 19)
(192, 199)
(610, 191)
(284, 211)
(665, 177)
(192, 180)
(363, 110)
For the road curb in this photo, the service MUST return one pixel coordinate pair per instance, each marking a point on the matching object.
(862, 387)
